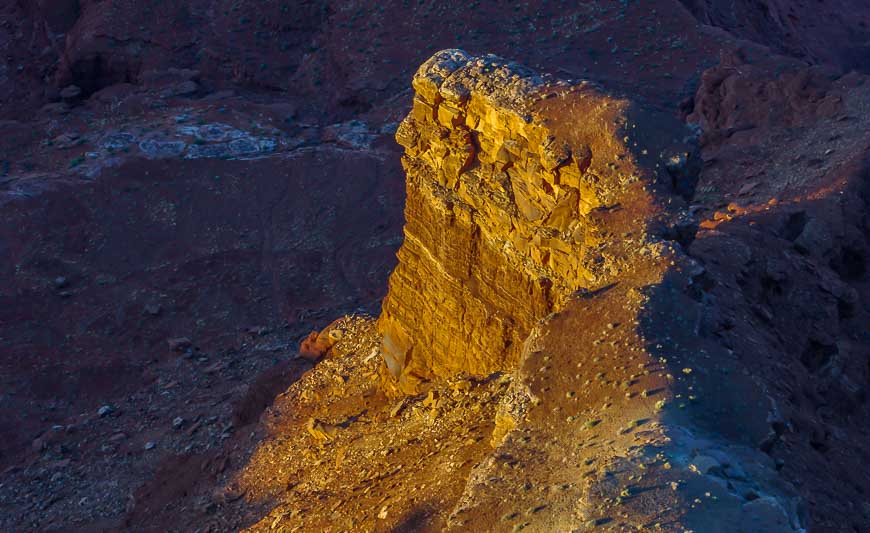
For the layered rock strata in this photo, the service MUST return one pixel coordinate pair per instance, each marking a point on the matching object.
(515, 186)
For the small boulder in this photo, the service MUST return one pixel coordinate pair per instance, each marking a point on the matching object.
(815, 238)
(312, 348)
(320, 431)
(765, 514)
(317, 344)
(56, 108)
(704, 464)
(179, 344)
(555, 154)
(184, 88)
(70, 93)
(67, 140)
(158, 149)
(114, 95)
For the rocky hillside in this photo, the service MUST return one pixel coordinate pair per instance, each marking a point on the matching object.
(628, 290)
(606, 395)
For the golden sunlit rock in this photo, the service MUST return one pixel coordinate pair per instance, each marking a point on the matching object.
(509, 178)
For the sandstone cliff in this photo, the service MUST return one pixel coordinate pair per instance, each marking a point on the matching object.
(517, 189)
(544, 231)
(562, 349)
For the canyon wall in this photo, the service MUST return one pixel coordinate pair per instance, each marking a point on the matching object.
(517, 187)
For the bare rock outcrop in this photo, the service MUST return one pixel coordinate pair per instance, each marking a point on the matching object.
(564, 349)
(516, 188)
(545, 226)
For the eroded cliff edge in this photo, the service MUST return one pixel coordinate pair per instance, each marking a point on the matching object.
(521, 191)
(544, 230)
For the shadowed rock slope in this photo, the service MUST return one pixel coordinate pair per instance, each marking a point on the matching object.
(528, 197)
(546, 363)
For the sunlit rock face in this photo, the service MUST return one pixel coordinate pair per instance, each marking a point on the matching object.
(515, 183)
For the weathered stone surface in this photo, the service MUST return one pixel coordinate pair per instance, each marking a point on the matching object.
(509, 177)
(318, 343)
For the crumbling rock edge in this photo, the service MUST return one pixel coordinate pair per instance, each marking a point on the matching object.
(617, 404)
(497, 157)
(512, 207)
